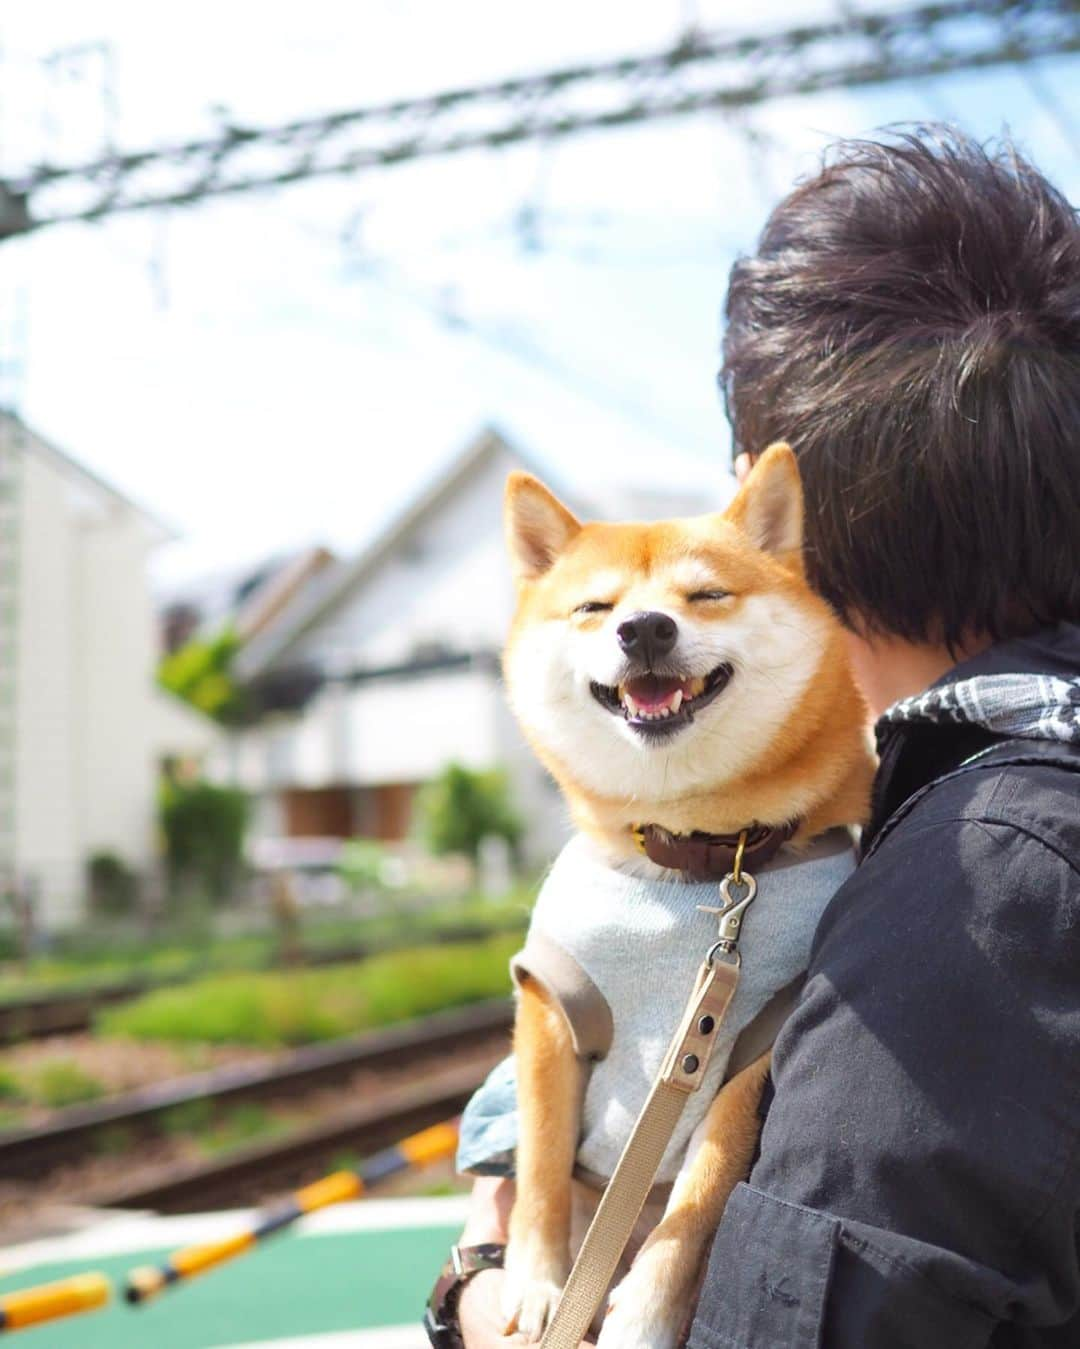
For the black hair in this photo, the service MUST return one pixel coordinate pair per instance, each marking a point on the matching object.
(910, 323)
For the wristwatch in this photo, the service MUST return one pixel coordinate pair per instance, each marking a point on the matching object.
(440, 1316)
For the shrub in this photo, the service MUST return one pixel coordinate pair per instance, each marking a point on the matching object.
(11, 1086)
(203, 826)
(113, 886)
(309, 1005)
(460, 807)
(363, 864)
(61, 1082)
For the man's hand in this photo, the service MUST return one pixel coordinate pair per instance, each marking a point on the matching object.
(479, 1307)
(479, 1313)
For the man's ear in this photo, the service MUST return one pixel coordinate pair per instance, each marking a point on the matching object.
(769, 506)
(538, 526)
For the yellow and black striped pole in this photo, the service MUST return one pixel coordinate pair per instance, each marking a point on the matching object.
(52, 1301)
(431, 1145)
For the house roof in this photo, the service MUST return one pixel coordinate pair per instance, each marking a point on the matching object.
(35, 443)
(275, 591)
(335, 582)
(247, 598)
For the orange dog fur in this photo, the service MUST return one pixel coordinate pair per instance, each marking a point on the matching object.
(785, 739)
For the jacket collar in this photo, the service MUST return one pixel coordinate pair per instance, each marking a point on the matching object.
(915, 754)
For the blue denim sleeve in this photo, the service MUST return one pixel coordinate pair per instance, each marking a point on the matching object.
(489, 1126)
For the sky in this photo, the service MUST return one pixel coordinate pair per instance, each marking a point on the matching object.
(275, 370)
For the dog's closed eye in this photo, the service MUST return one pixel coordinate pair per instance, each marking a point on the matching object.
(593, 607)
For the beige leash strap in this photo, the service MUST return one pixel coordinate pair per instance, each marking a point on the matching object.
(681, 1073)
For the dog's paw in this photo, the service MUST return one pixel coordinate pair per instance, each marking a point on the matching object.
(531, 1290)
(639, 1314)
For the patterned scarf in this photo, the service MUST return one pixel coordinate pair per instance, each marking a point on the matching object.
(1027, 706)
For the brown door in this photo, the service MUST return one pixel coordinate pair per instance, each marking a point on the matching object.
(392, 810)
(323, 812)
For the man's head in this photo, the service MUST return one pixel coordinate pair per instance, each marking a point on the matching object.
(911, 324)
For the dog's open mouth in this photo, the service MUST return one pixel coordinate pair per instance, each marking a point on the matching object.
(657, 704)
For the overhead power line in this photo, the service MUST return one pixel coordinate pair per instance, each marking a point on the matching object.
(701, 72)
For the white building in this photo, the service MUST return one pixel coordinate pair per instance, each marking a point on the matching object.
(83, 725)
(386, 667)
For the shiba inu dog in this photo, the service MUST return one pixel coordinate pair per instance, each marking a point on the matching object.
(679, 680)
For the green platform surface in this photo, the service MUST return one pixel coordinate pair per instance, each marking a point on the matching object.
(290, 1286)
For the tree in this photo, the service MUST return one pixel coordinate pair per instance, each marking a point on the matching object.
(200, 672)
(460, 807)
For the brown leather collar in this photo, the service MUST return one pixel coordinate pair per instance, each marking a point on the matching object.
(710, 857)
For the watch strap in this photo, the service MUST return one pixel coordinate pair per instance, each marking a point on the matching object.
(440, 1318)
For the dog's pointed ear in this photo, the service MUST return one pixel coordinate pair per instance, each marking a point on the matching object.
(538, 526)
(769, 505)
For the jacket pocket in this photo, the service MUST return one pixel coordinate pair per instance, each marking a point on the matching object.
(768, 1277)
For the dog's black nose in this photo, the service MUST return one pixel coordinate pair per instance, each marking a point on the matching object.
(648, 636)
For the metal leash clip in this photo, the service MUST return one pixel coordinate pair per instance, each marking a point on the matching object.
(730, 912)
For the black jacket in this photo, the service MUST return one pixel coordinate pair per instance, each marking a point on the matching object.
(918, 1183)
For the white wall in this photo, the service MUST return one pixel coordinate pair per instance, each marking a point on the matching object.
(402, 730)
(86, 724)
(114, 664)
(407, 730)
(180, 730)
(447, 582)
(47, 796)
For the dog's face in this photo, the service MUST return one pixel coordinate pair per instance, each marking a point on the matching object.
(651, 661)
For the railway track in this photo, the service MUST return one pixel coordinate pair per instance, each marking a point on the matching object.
(253, 1174)
(62, 1013)
(423, 1052)
(72, 1010)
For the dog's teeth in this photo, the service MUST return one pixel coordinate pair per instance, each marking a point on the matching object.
(631, 706)
(676, 701)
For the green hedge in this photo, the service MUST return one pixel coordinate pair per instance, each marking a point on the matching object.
(308, 1005)
(203, 827)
